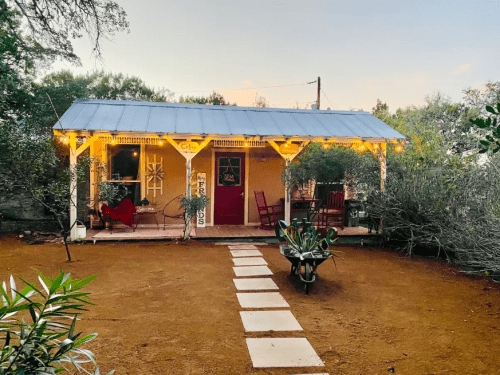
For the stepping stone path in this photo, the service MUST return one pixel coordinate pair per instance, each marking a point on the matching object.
(268, 352)
(255, 284)
(254, 261)
(252, 271)
(245, 253)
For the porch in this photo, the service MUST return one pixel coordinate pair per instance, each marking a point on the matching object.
(214, 233)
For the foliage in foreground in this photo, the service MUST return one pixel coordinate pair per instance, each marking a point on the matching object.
(37, 327)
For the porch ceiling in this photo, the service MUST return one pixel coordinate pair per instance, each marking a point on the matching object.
(175, 119)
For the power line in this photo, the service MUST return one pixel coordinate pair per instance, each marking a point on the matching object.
(327, 98)
(251, 88)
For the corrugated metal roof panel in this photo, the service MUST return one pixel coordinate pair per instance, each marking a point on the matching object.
(132, 116)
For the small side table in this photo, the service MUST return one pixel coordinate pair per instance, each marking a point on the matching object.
(144, 212)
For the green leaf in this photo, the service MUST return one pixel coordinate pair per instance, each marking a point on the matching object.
(86, 339)
(47, 290)
(72, 328)
(485, 143)
(488, 122)
(78, 284)
(12, 287)
(33, 315)
(483, 150)
(479, 122)
(496, 150)
(498, 107)
(56, 283)
(490, 109)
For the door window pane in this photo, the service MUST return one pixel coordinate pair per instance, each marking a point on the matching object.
(229, 171)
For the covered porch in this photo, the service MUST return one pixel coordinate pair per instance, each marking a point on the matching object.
(214, 233)
(165, 150)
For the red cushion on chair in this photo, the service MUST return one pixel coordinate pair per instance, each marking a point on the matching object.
(124, 212)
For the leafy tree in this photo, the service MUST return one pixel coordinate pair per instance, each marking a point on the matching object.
(261, 101)
(29, 165)
(213, 99)
(16, 60)
(49, 343)
(380, 107)
(52, 23)
(63, 88)
(491, 125)
(333, 165)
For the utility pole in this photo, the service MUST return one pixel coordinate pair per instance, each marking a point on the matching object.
(319, 89)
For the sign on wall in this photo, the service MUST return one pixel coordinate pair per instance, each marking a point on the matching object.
(201, 179)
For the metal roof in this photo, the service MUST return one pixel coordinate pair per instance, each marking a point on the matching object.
(174, 118)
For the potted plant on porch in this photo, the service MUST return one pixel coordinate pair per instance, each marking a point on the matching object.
(192, 205)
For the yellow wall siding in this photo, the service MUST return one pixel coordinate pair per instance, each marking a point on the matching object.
(174, 183)
(265, 171)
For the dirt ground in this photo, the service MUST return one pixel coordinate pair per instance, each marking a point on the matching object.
(171, 308)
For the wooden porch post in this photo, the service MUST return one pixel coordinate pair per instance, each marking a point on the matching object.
(188, 177)
(288, 159)
(72, 186)
(287, 196)
(383, 165)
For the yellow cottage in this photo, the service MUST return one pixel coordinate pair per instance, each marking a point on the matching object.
(158, 149)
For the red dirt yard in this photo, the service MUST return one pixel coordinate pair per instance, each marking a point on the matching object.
(171, 308)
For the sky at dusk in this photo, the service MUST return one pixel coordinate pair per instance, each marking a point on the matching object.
(396, 51)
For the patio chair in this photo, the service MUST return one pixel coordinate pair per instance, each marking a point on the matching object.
(332, 215)
(123, 212)
(269, 215)
(173, 209)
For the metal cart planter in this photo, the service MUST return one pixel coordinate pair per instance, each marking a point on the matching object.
(305, 264)
(306, 249)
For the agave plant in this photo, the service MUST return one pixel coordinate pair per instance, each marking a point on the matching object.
(46, 342)
(306, 243)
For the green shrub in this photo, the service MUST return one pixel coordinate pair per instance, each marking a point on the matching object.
(37, 327)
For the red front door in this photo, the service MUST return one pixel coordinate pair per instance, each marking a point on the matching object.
(229, 192)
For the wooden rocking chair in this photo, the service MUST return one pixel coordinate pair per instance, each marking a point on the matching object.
(332, 215)
(269, 215)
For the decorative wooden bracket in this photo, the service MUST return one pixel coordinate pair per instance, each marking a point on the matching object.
(292, 153)
(87, 144)
(188, 149)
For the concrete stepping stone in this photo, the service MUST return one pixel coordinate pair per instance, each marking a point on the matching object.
(252, 271)
(249, 261)
(260, 321)
(245, 253)
(261, 300)
(243, 247)
(241, 243)
(255, 284)
(282, 352)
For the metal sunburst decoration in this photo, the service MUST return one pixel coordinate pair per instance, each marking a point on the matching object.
(155, 172)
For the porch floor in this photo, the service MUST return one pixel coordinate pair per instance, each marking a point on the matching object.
(124, 233)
